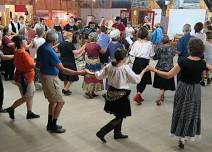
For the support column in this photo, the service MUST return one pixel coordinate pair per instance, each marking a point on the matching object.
(50, 9)
(34, 8)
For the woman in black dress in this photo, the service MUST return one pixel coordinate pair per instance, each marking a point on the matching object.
(186, 117)
(164, 54)
(67, 50)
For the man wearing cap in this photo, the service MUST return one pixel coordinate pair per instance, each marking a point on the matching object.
(118, 24)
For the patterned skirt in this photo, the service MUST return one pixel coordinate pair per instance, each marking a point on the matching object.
(90, 83)
(186, 118)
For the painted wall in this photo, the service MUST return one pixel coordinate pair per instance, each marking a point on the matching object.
(179, 17)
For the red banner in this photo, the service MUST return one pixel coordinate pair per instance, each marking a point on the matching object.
(20, 8)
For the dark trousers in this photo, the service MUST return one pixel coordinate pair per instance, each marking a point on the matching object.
(114, 124)
(141, 87)
(1, 92)
(8, 68)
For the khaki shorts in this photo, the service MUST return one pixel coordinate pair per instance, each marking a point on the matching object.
(51, 88)
(29, 91)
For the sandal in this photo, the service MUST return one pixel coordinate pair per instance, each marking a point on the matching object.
(158, 102)
(162, 98)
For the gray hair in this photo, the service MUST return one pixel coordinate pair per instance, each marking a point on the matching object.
(51, 36)
(40, 31)
(93, 36)
(187, 28)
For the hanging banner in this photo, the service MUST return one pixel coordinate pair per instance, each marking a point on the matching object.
(20, 8)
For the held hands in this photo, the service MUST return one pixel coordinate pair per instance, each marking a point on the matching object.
(150, 68)
(86, 72)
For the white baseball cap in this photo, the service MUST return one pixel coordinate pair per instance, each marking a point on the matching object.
(115, 33)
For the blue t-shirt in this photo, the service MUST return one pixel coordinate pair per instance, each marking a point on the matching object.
(182, 45)
(103, 40)
(157, 36)
(112, 47)
(48, 59)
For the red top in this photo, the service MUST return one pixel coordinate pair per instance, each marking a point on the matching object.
(92, 49)
(119, 26)
(7, 50)
(24, 64)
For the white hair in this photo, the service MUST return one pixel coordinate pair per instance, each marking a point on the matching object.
(51, 36)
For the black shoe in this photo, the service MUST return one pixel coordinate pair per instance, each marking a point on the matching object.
(208, 81)
(67, 93)
(89, 96)
(49, 127)
(202, 83)
(95, 95)
(101, 135)
(3, 110)
(120, 136)
(32, 116)
(181, 145)
(57, 130)
(11, 112)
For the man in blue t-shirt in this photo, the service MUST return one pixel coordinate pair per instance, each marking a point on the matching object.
(50, 66)
(182, 44)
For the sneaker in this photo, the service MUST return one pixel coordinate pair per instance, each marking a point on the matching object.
(57, 130)
(11, 112)
(32, 116)
(137, 98)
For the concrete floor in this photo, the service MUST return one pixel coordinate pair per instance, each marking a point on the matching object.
(148, 128)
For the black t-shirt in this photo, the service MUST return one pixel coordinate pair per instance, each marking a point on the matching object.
(191, 70)
(58, 28)
(66, 49)
(124, 21)
(73, 29)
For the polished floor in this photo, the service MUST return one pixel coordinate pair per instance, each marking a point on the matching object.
(148, 128)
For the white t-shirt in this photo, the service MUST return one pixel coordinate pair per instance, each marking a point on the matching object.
(39, 25)
(37, 42)
(201, 36)
(142, 49)
(129, 31)
(118, 77)
(22, 26)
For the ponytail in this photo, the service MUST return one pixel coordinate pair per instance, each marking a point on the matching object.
(120, 54)
(114, 62)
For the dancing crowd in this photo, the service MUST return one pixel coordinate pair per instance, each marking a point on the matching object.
(39, 57)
